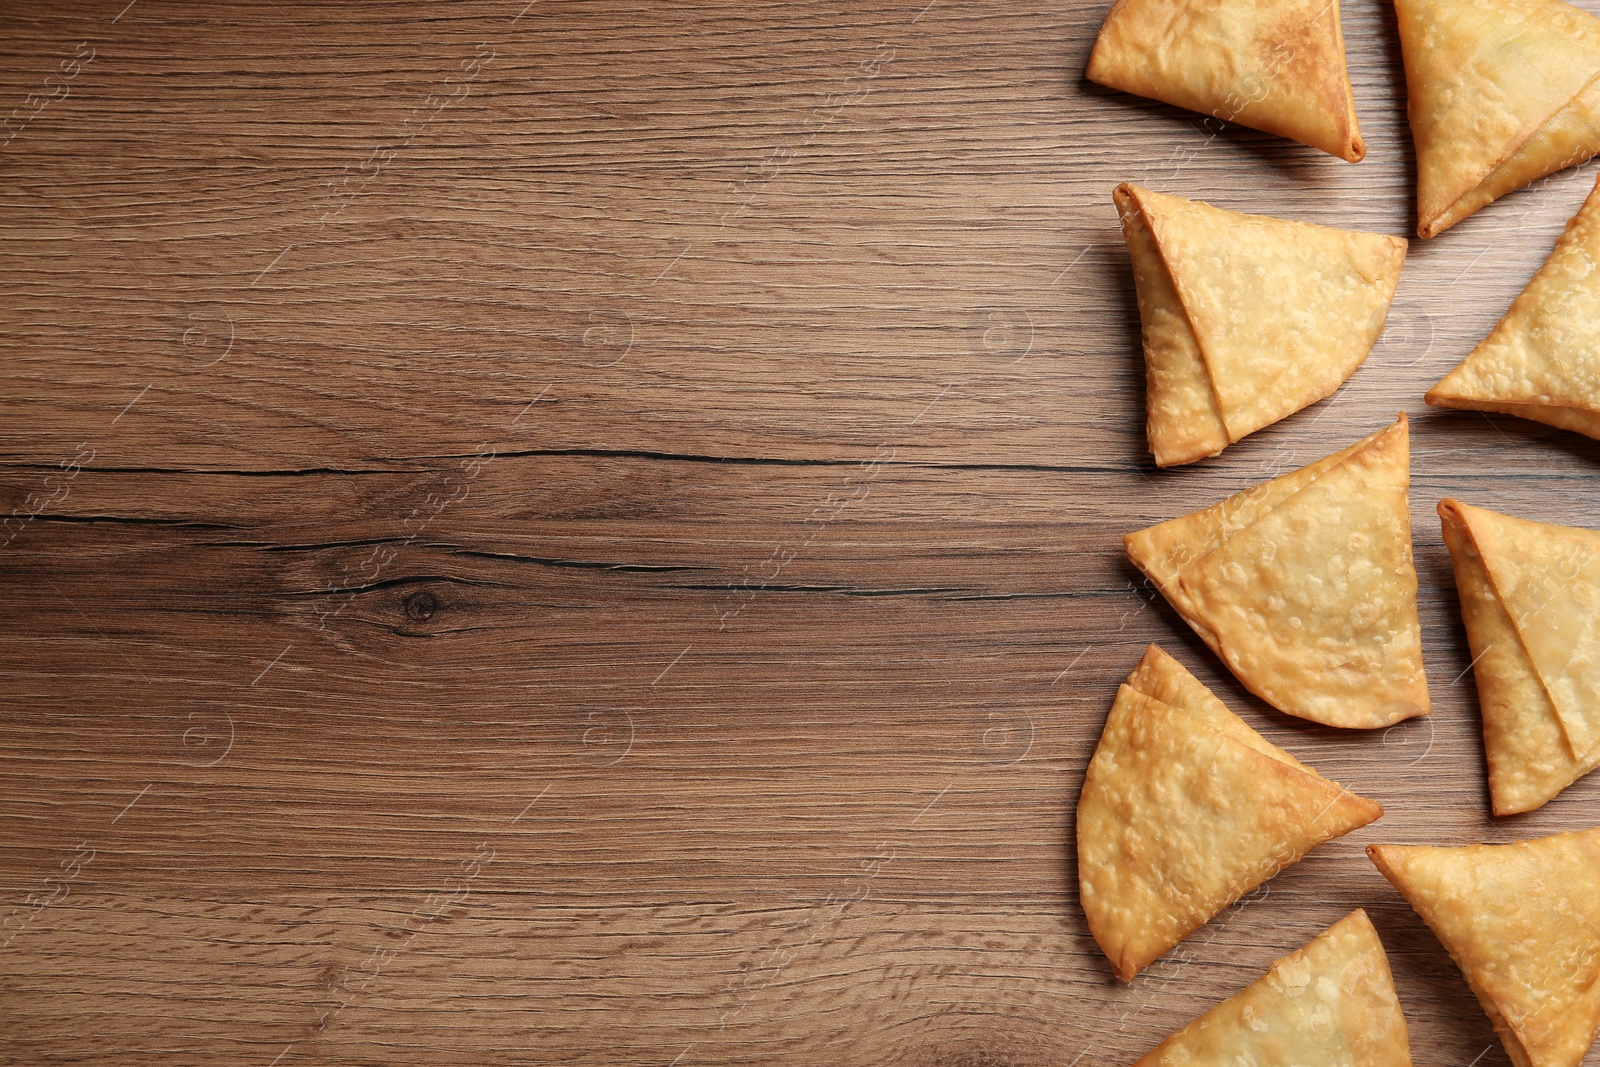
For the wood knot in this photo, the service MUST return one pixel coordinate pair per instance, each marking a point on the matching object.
(421, 606)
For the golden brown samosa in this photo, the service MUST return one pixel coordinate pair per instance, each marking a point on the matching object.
(1530, 597)
(1184, 809)
(1542, 360)
(1522, 921)
(1500, 94)
(1330, 1003)
(1304, 585)
(1246, 319)
(1273, 65)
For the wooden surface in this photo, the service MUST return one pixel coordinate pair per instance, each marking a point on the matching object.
(589, 533)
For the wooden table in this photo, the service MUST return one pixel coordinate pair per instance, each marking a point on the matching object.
(590, 533)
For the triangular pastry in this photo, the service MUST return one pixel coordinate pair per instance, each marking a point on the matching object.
(1500, 94)
(1304, 585)
(1542, 360)
(1330, 1003)
(1184, 809)
(1530, 597)
(1246, 319)
(1273, 65)
(1522, 921)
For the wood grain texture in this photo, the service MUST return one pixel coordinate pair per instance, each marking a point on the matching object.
(590, 532)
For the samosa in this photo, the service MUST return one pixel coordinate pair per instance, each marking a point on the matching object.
(1530, 598)
(1542, 360)
(1246, 318)
(1330, 1003)
(1184, 809)
(1522, 921)
(1274, 65)
(1500, 94)
(1304, 585)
